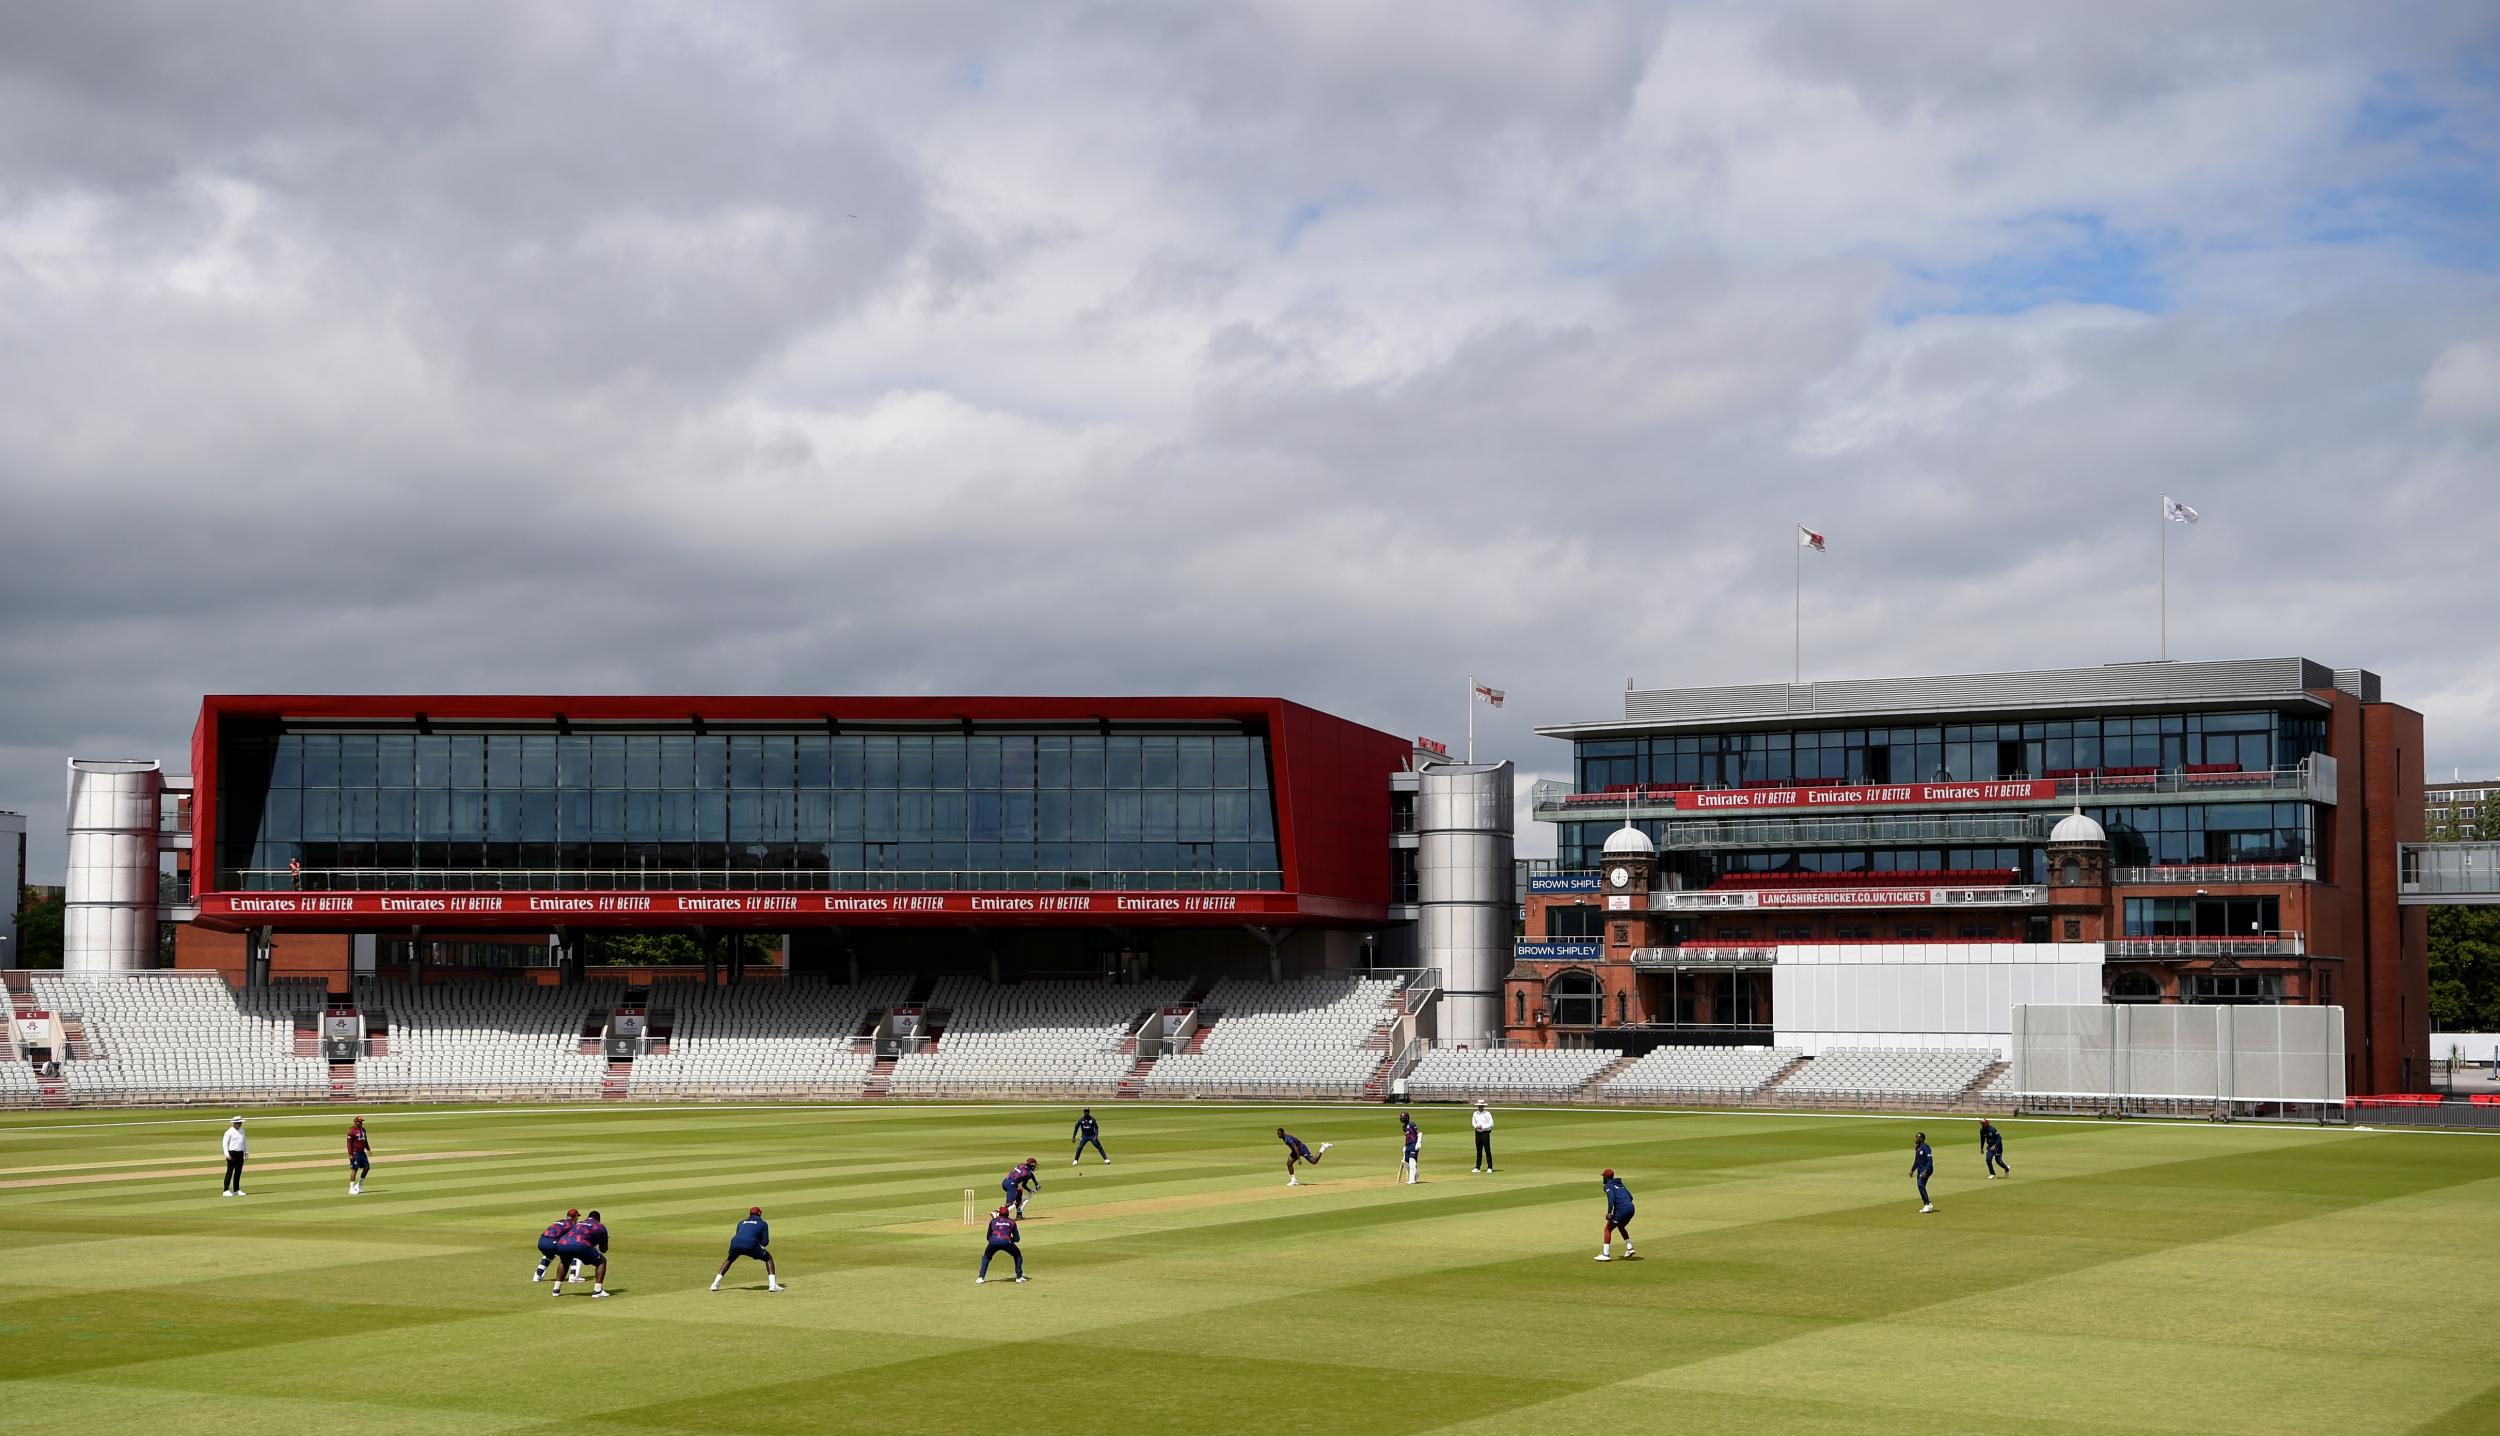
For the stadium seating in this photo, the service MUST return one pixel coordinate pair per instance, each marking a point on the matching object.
(1035, 1036)
(469, 1039)
(1891, 1074)
(179, 1036)
(1694, 1072)
(763, 1040)
(1310, 1037)
(1456, 1076)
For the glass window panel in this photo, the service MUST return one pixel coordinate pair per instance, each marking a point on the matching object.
(321, 760)
(981, 762)
(1162, 761)
(503, 760)
(1124, 762)
(1015, 817)
(815, 815)
(912, 755)
(850, 815)
(503, 817)
(1162, 816)
(1232, 817)
(711, 764)
(1196, 816)
(607, 816)
(1085, 761)
(1195, 762)
(711, 816)
(538, 815)
(1124, 817)
(468, 814)
(286, 762)
(1085, 815)
(642, 761)
(743, 826)
(573, 761)
(282, 813)
(746, 771)
(884, 815)
(780, 751)
(1232, 762)
(1050, 761)
(1015, 761)
(538, 761)
(946, 760)
(395, 760)
(982, 817)
(1050, 816)
(885, 760)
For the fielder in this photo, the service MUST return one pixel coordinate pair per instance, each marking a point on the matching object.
(1618, 1216)
(1922, 1166)
(552, 1238)
(1002, 1238)
(587, 1242)
(752, 1239)
(359, 1157)
(1089, 1132)
(1992, 1146)
(1414, 1137)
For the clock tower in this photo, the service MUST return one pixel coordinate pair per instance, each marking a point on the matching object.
(1631, 861)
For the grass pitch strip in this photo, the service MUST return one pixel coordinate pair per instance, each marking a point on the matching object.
(2128, 1277)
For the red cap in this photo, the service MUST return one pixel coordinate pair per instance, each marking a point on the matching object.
(1607, 1173)
(755, 1211)
(576, 1211)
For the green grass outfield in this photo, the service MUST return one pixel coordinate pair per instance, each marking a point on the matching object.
(2130, 1277)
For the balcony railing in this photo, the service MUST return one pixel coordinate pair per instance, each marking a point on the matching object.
(281, 880)
(2217, 874)
(1861, 895)
(2262, 944)
(1707, 955)
(1861, 830)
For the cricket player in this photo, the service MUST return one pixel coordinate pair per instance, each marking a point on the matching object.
(588, 1242)
(1618, 1215)
(1922, 1166)
(1089, 1131)
(553, 1237)
(752, 1239)
(1296, 1153)
(1003, 1236)
(236, 1150)
(1482, 1121)
(359, 1157)
(1414, 1138)
(1022, 1179)
(1992, 1146)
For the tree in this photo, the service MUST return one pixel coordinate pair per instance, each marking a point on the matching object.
(662, 949)
(38, 931)
(2465, 969)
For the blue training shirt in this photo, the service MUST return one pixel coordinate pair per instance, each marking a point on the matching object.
(752, 1233)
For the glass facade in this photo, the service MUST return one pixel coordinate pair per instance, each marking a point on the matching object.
(1952, 752)
(329, 810)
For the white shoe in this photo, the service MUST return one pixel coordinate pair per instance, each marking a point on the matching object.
(556, 1290)
(597, 1294)
(1627, 1251)
(1106, 1161)
(1931, 1206)
(1073, 1162)
(1020, 1281)
(980, 1281)
(1601, 1256)
(1324, 1146)
(1293, 1181)
(577, 1272)
(241, 1193)
(773, 1286)
(716, 1283)
(539, 1275)
(1475, 1169)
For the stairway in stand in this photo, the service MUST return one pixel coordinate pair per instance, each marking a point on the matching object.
(76, 1044)
(1133, 1083)
(880, 1078)
(342, 1081)
(617, 1080)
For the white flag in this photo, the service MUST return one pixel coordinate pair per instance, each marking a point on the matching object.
(1808, 538)
(2176, 512)
(1492, 696)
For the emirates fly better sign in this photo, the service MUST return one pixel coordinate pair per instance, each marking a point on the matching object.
(1880, 795)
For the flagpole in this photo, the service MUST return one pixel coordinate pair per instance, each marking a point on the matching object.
(2165, 578)
(1471, 718)
(1797, 614)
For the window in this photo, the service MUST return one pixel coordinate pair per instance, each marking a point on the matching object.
(2234, 988)
(1575, 999)
(2135, 986)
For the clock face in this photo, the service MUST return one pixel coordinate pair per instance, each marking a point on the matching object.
(1621, 876)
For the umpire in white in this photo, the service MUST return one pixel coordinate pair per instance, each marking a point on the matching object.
(1482, 1121)
(236, 1148)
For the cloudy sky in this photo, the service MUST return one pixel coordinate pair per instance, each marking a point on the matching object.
(1330, 349)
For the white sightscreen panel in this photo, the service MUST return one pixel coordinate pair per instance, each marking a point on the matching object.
(2287, 1054)
(2063, 1051)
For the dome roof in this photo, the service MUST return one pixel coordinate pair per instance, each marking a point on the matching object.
(1629, 842)
(2076, 828)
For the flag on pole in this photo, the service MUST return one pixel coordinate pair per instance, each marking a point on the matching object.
(2176, 512)
(1808, 538)
(1489, 695)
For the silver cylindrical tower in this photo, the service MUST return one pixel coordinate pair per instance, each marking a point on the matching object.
(1464, 880)
(109, 914)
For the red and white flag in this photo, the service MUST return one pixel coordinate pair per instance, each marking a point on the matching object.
(1489, 695)
(1808, 538)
